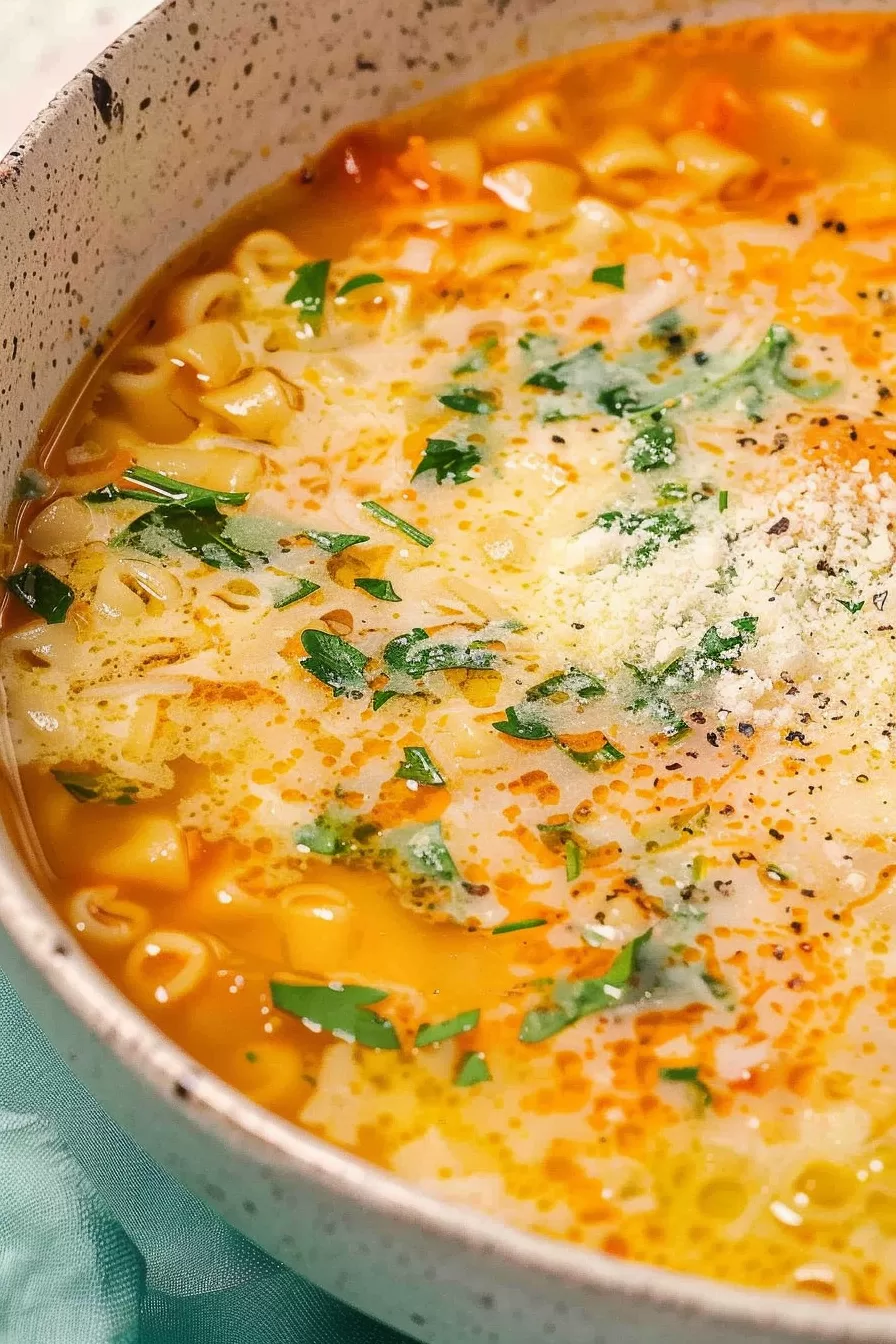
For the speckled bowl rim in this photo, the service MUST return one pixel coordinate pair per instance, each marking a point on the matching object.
(227, 1115)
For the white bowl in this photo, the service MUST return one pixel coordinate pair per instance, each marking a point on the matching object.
(196, 107)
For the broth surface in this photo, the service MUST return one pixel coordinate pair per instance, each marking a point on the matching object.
(449, 657)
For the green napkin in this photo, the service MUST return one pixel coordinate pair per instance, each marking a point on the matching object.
(99, 1246)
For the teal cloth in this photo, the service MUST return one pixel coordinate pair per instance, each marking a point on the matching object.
(99, 1246)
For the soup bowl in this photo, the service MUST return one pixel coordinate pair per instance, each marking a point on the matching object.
(193, 109)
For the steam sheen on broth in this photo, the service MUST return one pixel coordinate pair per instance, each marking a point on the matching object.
(449, 654)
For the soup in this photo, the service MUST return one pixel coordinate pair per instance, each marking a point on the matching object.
(448, 641)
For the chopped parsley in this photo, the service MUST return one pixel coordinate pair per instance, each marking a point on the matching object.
(574, 858)
(344, 1010)
(155, 488)
(609, 275)
(31, 484)
(449, 459)
(101, 787)
(308, 293)
(714, 654)
(478, 359)
(654, 447)
(419, 768)
(41, 592)
(668, 330)
(517, 926)
(530, 721)
(469, 401)
(650, 529)
(587, 382)
(473, 1069)
(416, 654)
(723, 500)
(852, 607)
(754, 380)
(574, 999)
(435, 1033)
(200, 530)
(690, 1075)
(328, 836)
(384, 516)
(334, 543)
(288, 593)
(426, 853)
(335, 662)
(359, 282)
(378, 588)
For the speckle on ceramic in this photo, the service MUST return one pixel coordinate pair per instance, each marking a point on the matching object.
(199, 105)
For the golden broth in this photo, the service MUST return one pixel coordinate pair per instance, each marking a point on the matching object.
(484, 759)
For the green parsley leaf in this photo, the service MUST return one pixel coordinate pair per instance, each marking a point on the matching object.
(379, 588)
(669, 331)
(473, 1069)
(435, 1033)
(392, 520)
(575, 999)
(519, 925)
(652, 529)
(761, 373)
(334, 543)
(308, 293)
(344, 1011)
(478, 359)
(416, 654)
(469, 401)
(574, 857)
(358, 282)
(288, 593)
(156, 488)
(690, 1075)
(653, 447)
(527, 724)
(328, 835)
(714, 654)
(852, 607)
(717, 988)
(102, 787)
(41, 592)
(418, 767)
(426, 853)
(524, 724)
(380, 698)
(723, 500)
(572, 685)
(31, 484)
(200, 531)
(335, 662)
(609, 275)
(451, 461)
(590, 383)
(673, 492)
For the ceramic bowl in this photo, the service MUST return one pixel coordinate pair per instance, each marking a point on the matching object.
(199, 105)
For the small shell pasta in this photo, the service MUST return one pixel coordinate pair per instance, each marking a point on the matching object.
(266, 255)
(625, 161)
(258, 406)
(212, 350)
(102, 917)
(145, 387)
(167, 965)
(203, 298)
(63, 526)
(531, 126)
(546, 192)
(713, 167)
(459, 159)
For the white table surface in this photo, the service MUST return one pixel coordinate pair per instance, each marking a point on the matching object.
(43, 43)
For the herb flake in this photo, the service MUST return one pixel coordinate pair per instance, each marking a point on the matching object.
(41, 592)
